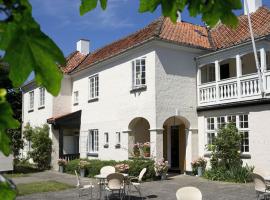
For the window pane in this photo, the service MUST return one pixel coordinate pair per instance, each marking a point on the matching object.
(220, 122)
(244, 141)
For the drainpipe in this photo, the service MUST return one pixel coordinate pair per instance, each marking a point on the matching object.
(259, 71)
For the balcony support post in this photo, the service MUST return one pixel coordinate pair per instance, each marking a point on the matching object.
(217, 73)
(263, 66)
(238, 74)
(199, 82)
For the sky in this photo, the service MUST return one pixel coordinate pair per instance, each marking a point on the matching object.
(60, 19)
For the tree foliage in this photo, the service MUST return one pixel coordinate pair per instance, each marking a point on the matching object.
(212, 11)
(41, 147)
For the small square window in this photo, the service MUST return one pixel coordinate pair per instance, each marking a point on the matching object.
(76, 98)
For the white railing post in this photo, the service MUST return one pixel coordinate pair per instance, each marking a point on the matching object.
(238, 74)
(217, 76)
(263, 66)
(199, 82)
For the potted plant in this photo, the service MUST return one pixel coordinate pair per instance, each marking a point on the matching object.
(161, 168)
(198, 166)
(82, 167)
(136, 150)
(122, 168)
(146, 149)
(62, 163)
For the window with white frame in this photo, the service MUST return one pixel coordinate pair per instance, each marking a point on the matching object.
(41, 97)
(118, 138)
(241, 122)
(106, 138)
(138, 73)
(76, 98)
(93, 141)
(31, 100)
(93, 87)
(268, 60)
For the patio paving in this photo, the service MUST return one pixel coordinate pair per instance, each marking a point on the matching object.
(156, 190)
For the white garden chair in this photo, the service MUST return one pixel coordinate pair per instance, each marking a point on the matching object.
(115, 182)
(107, 170)
(260, 186)
(84, 189)
(136, 183)
(188, 193)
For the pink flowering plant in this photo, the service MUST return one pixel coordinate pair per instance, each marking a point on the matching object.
(83, 164)
(122, 167)
(200, 162)
(146, 147)
(62, 162)
(161, 167)
(137, 149)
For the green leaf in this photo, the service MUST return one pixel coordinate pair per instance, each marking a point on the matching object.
(103, 4)
(6, 192)
(6, 121)
(87, 5)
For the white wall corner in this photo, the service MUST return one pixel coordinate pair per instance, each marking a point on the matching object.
(83, 46)
(251, 6)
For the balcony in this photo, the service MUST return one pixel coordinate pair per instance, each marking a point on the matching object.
(232, 90)
(233, 80)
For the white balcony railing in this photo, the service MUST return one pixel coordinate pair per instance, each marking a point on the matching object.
(233, 89)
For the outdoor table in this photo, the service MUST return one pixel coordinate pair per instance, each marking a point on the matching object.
(102, 178)
(267, 180)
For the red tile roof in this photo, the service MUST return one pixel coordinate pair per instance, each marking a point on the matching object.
(182, 33)
(72, 61)
(223, 36)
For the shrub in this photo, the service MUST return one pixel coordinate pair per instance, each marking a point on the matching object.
(200, 162)
(25, 167)
(41, 147)
(226, 163)
(93, 167)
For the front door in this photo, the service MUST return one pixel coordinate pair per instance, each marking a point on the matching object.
(175, 147)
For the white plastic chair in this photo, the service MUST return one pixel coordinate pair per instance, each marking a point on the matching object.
(136, 183)
(115, 182)
(260, 186)
(107, 170)
(82, 188)
(188, 193)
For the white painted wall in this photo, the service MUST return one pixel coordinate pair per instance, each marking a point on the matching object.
(116, 106)
(259, 139)
(6, 163)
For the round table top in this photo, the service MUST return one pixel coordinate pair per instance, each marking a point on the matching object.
(104, 176)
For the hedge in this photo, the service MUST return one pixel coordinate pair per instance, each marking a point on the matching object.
(135, 167)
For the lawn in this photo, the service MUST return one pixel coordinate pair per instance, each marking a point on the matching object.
(16, 175)
(38, 187)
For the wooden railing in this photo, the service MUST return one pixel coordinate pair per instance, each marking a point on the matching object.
(234, 89)
(69, 157)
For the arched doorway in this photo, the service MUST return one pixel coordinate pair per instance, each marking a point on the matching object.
(174, 142)
(138, 132)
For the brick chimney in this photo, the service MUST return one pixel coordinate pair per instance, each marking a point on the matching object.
(253, 5)
(83, 46)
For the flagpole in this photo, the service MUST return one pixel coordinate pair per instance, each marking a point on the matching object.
(259, 71)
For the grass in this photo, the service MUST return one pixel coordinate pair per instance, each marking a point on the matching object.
(16, 175)
(38, 187)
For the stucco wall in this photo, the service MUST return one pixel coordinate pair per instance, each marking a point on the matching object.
(116, 106)
(259, 139)
(6, 163)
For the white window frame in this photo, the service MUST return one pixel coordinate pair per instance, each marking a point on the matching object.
(106, 138)
(93, 141)
(118, 138)
(76, 97)
(41, 97)
(93, 87)
(139, 73)
(31, 100)
(238, 122)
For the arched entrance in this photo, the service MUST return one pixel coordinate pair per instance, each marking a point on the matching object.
(138, 132)
(174, 142)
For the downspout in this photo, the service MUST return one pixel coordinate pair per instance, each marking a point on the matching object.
(259, 71)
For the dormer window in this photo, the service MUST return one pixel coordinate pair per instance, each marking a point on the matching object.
(138, 73)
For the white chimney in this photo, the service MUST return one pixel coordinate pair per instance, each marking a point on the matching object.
(83, 46)
(179, 17)
(253, 5)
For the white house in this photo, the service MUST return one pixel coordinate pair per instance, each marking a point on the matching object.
(172, 85)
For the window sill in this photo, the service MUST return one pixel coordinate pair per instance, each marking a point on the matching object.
(138, 88)
(75, 104)
(32, 110)
(118, 146)
(41, 107)
(93, 100)
(92, 154)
